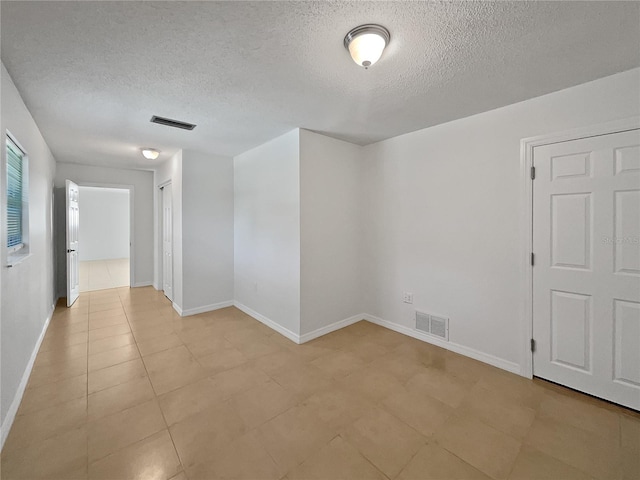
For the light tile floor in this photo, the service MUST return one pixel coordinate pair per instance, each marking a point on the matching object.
(123, 388)
(104, 274)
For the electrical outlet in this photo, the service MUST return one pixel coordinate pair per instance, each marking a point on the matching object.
(407, 297)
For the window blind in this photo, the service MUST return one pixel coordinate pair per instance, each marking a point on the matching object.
(14, 194)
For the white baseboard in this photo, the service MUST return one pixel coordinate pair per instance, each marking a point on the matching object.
(294, 337)
(331, 328)
(142, 284)
(17, 398)
(205, 308)
(454, 347)
(177, 308)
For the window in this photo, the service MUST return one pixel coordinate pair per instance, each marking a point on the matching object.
(17, 198)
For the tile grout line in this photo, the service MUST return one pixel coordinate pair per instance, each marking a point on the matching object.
(87, 407)
(87, 386)
(537, 417)
(515, 460)
(371, 463)
(133, 406)
(300, 400)
(154, 390)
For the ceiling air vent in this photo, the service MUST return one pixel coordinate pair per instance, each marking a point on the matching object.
(172, 123)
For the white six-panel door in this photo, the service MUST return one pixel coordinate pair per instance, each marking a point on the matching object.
(72, 235)
(167, 243)
(586, 274)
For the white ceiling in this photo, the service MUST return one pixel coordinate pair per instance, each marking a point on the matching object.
(93, 73)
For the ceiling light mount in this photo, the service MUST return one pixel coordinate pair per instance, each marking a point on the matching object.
(366, 43)
(150, 153)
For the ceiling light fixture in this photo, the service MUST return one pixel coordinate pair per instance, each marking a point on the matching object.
(150, 153)
(366, 43)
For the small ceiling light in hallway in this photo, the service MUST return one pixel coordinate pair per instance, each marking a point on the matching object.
(150, 153)
(366, 43)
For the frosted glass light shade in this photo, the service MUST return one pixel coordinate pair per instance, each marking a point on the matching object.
(367, 49)
(366, 44)
(150, 153)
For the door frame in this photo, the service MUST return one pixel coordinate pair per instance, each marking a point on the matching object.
(527, 146)
(131, 188)
(160, 264)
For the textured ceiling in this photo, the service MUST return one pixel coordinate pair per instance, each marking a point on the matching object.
(93, 73)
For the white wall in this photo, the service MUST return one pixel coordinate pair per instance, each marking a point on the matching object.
(141, 197)
(104, 223)
(330, 231)
(442, 209)
(267, 230)
(27, 290)
(207, 230)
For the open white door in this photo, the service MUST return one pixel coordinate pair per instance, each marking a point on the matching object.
(73, 228)
(167, 243)
(586, 275)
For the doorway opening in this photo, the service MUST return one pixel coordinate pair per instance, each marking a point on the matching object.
(104, 234)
